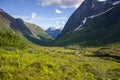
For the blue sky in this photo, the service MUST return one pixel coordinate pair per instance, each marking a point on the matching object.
(45, 13)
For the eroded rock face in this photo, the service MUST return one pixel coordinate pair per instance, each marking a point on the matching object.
(86, 9)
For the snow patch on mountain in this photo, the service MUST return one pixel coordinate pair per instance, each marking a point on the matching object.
(101, 0)
(116, 2)
(100, 13)
(84, 21)
(79, 28)
(91, 17)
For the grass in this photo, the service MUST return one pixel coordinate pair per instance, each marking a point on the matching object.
(10, 40)
(26, 61)
(55, 63)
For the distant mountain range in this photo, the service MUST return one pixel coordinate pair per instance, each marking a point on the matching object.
(28, 31)
(54, 32)
(95, 22)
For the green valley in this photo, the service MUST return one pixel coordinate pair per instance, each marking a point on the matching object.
(46, 63)
(88, 47)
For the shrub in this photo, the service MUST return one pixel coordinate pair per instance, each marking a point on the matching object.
(8, 40)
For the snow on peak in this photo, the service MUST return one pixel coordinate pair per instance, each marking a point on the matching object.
(116, 2)
(52, 28)
(90, 17)
(101, 0)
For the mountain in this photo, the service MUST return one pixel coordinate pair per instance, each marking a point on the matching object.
(86, 9)
(93, 23)
(54, 32)
(29, 31)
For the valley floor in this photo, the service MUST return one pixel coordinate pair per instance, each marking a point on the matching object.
(56, 63)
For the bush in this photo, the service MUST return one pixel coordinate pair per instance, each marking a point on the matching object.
(8, 39)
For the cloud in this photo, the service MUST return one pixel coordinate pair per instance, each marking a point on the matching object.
(33, 15)
(27, 18)
(60, 22)
(40, 18)
(58, 11)
(44, 22)
(51, 19)
(61, 3)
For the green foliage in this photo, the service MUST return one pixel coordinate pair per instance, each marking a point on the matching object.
(9, 40)
(55, 63)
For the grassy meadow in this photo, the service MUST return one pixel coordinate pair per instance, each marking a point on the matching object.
(58, 63)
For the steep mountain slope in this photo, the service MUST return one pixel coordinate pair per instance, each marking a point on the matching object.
(99, 29)
(54, 32)
(37, 33)
(88, 8)
(30, 31)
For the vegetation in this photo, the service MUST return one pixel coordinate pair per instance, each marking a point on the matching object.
(38, 32)
(101, 30)
(9, 40)
(21, 61)
(29, 32)
(95, 61)
(56, 63)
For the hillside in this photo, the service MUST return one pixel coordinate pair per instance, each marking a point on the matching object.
(31, 32)
(101, 30)
(86, 9)
(97, 30)
(11, 41)
(39, 36)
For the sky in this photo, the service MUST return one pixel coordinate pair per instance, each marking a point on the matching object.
(45, 13)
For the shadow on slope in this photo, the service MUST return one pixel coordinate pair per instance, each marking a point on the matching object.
(41, 41)
(106, 57)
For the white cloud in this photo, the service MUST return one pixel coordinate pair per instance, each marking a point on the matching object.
(44, 22)
(58, 11)
(61, 23)
(51, 19)
(102, 0)
(61, 3)
(27, 18)
(33, 15)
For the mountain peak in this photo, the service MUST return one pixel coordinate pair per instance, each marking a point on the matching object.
(54, 32)
(96, 28)
(87, 8)
(29, 31)
(51, 28)
(1, 10)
